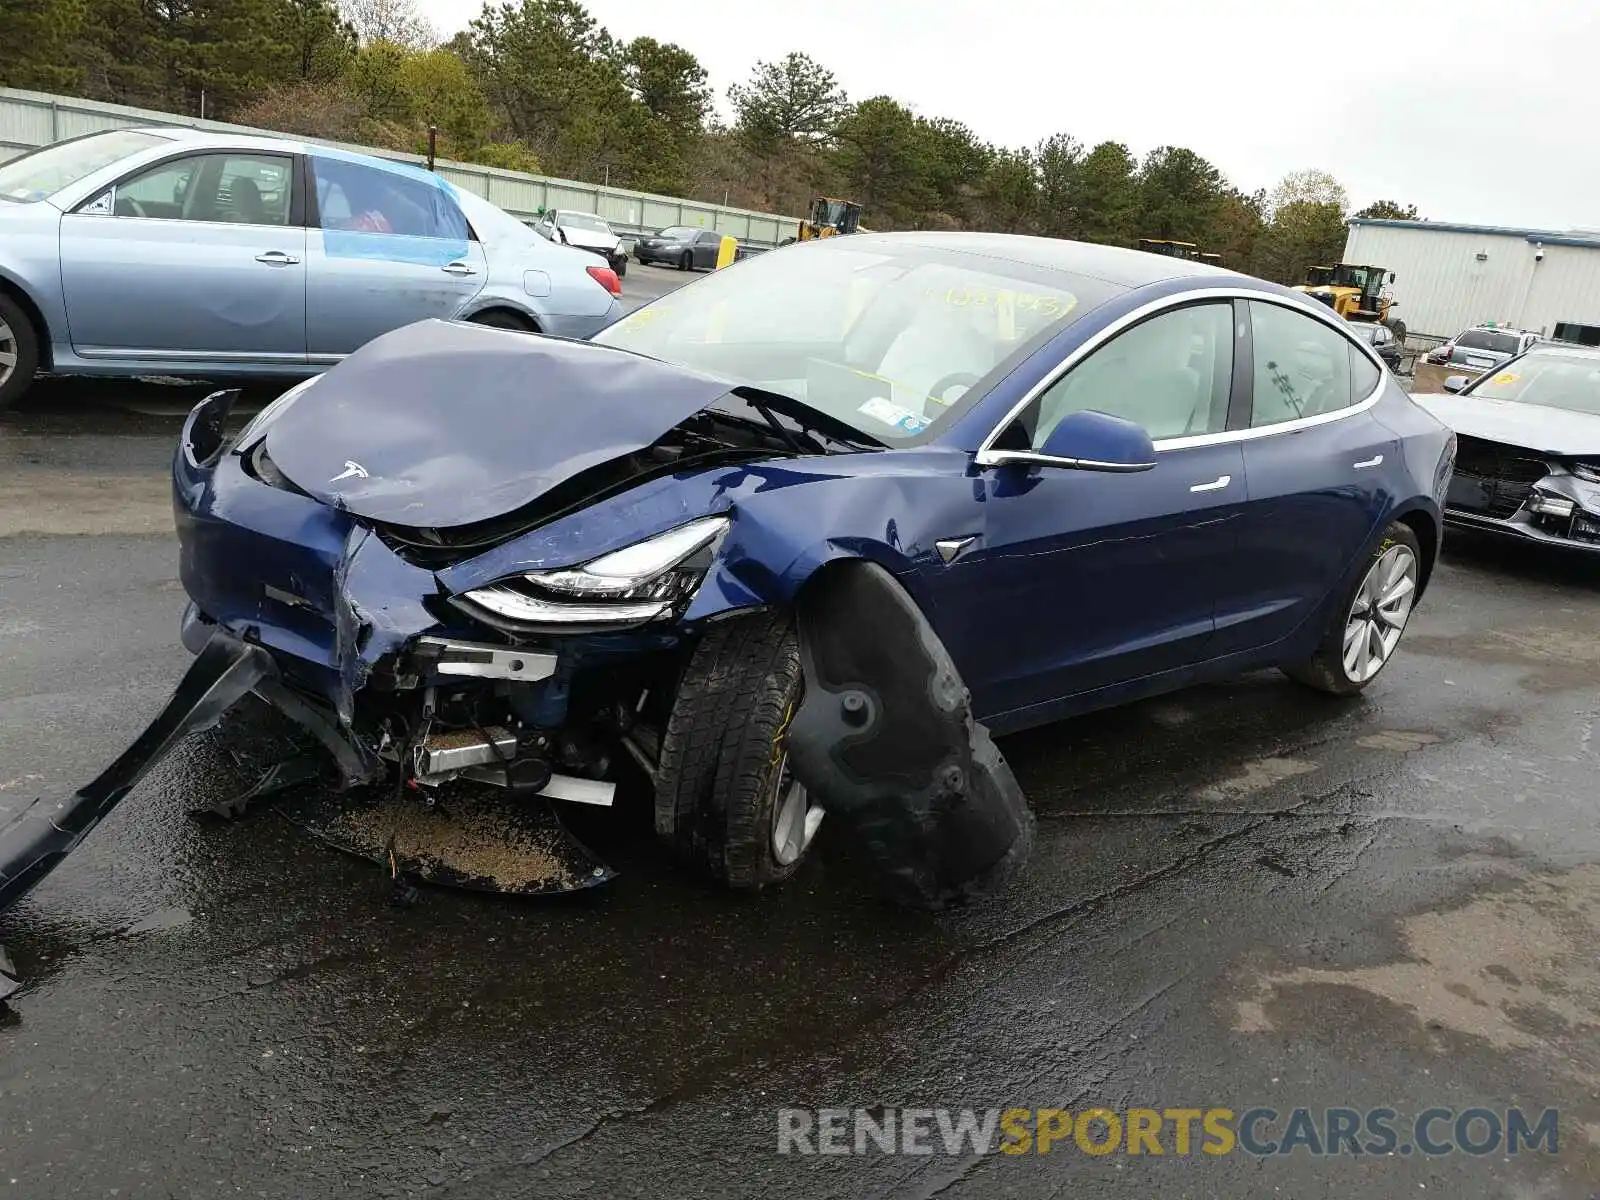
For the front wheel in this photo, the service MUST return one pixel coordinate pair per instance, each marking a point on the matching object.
(19, 351)
(727, 803)
(686, 261)
(1366, 629)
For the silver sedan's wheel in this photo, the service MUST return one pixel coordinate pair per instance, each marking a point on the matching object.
(19, 351)
(8, 353)
(794, 818)
(1379, 612)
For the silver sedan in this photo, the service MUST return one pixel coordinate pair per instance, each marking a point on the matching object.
(175, 252)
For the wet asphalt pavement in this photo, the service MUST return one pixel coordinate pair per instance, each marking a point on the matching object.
(1242, 895)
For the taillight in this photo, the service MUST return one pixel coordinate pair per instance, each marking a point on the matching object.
(606, 278)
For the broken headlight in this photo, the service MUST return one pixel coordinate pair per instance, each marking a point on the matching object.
(257, 426)
(639, 583)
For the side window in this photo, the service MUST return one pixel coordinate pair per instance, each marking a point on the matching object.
(710, 238)
(1302, 368)
(357, 198)
(248, 189)
(253, 189)
(1364, 375)
(1171, 374)
(160, 192)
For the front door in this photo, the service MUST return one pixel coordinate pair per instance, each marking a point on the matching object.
(199, 258)
(1084, 580)
(390, 247)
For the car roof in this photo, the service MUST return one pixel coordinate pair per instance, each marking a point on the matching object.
(1112, 264)
(206, 137)
(1565, 349)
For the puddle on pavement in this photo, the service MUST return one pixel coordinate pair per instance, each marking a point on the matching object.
(1401, 741)
(1257, 776)
(1519, 969)
(1562, 659)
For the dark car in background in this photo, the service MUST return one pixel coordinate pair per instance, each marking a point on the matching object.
(681, 246)
(1528, 454)
(1382, 340)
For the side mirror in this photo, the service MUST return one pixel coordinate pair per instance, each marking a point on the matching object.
(1456, 383)
(1086, 441)
(1391, 276)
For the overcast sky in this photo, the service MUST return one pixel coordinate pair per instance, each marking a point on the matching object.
(1480, 111)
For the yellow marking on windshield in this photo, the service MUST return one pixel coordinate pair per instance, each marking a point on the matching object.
(861, 290)
(1004, 300)
(716, 322)
(1507, 377)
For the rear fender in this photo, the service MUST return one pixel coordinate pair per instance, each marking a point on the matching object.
(885, 739)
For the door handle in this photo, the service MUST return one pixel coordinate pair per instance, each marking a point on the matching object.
(458, 268)
(1215, 485)
(277, 258)
(1375, 461)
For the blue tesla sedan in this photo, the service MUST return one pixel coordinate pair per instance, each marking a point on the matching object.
(792, 540)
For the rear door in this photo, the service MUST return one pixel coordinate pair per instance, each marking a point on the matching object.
(198, 258)
(1320, 471)
(389, 246)
(706, 245)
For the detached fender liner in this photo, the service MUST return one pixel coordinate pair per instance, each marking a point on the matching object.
(885, 740)
(41, 835)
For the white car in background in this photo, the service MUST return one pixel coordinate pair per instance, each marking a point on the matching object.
(585, 231)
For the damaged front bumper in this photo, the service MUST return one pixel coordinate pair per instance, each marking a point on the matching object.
(1559, 510)
(312, 610)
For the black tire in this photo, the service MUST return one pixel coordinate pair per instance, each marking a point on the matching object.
(23, 341)
(1325, 670)
(686, 261)
(619, 264)
(722, 765)
(499, 318)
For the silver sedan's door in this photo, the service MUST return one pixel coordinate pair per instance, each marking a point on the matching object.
(389, 246)
(195, 259)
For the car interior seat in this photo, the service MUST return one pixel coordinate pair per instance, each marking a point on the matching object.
(245, 200)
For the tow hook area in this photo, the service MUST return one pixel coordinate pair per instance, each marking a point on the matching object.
(885, 739)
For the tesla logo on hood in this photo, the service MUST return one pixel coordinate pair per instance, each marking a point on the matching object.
(352, 470)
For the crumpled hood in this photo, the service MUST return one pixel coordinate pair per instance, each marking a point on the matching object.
(1549, 430)
(441, 424)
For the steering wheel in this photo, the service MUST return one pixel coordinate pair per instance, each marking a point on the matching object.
(936, 392)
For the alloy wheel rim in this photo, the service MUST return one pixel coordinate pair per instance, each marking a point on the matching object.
(794, 818)
(8, 352)
(1379, 613)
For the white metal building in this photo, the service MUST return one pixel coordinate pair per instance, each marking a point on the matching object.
(1449, 277)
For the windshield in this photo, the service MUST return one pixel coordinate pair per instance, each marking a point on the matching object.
(584, 221)
(886, 340)
(677, 231)
(1550, 378)
(45, 172)
(1482, 339)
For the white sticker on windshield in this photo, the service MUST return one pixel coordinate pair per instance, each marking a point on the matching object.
(881, 409)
